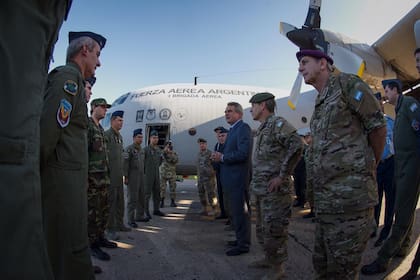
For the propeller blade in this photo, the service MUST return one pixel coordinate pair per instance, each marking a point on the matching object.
(313, 19)
(286, 28)
(294, 94)
(417, 33)
(346, 60)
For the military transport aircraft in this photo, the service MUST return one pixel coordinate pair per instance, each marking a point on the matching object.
(185, 112)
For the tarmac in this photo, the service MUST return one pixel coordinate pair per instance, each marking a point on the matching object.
(185, 245)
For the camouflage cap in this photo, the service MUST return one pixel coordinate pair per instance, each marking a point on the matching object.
(99, 102)
(154, 133)
(201, 140)
(260, 97)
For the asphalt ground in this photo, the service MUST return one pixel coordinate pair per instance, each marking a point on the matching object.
(185, 245)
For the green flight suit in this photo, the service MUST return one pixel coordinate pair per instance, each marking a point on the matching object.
(64, 170)
(134, 172)
(23, 75)
(407, 176)
(152, 159)
(114, 144)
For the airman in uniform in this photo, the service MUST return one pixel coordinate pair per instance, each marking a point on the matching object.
(348, 136)
(64, 176)
(98, 181)
(152, 158)
(24, 72)
(134, 179)
(277, 151)
(115, 146)
(206, 177)
(167, 172)
(407, 175)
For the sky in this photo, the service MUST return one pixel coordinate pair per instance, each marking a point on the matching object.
(152, 42)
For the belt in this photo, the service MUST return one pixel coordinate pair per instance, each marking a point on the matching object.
(385, 159)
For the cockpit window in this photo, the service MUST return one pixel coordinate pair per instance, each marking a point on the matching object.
(120, 100)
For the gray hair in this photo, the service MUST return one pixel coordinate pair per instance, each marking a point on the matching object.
(76, 45)
(237, 106)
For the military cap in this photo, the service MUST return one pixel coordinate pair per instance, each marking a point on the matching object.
(98, 38)
(313, 53)
(154, 133)
(260, 97)
(394, 81)
(219, 129)
(223, 130)
(91, 80)
(201, 140)
(137, 132)
(118, 114)
(99, 102)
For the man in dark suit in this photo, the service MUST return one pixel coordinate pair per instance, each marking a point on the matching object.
(221, 134)
(235, 170)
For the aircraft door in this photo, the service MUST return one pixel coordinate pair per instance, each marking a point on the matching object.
(163, 132)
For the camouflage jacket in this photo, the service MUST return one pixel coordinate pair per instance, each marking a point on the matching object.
(98, 156)
(342, 162)
(277, 151)
(204, 164)
(168, 167)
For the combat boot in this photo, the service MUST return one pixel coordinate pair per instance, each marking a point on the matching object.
(173, 204)
(162, 203)
(262, 263)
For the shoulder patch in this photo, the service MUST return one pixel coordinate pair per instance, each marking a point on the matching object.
(70, 87)
(358, 95)
(279, 123)
(415, 125)
(63, 113)
(413, 107)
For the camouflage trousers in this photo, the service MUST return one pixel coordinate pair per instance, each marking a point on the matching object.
(98, 206)
(273, 212)
(172, 186)
(207, 190)
(340, 240)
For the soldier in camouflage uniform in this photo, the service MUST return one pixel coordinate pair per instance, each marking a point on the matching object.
(277, 151)
(206, 183)
(134, 179)
(348, 137)
(114, 143)
(167, 172)
(152, 159)
(98, 181)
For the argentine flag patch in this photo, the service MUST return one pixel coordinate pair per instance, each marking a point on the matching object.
(358, 95)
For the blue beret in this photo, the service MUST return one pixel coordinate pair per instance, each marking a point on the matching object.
(91, 80)
(118, 114)
(313, 53)
(393, 81)
(98, 38)
(137, 132)
(154, 133)
(260, 97)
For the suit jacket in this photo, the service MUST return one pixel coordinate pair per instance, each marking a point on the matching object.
(236, 166)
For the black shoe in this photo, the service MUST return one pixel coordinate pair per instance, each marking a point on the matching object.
(96, 252)
(132, 224)
(298, 203)
(373, 268)
(378, 242)
(173, 204)
(158, 213)
(236, 251)
(142, 220)
(103, 242)
(309, 215)
(97, 269)
(220, 217)
(233, 243)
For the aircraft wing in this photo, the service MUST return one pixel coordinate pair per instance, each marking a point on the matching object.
(397, 48)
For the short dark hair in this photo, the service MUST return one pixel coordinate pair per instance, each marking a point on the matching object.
(393, 85)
